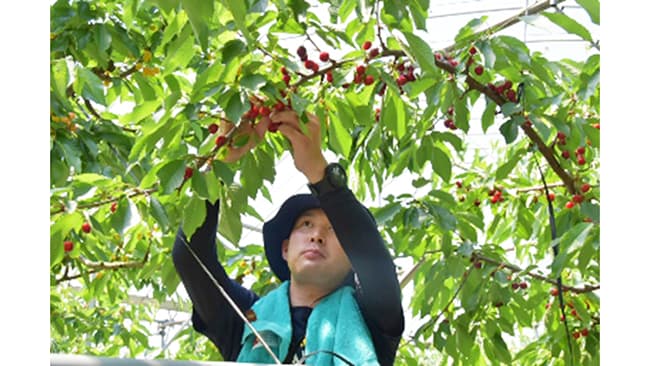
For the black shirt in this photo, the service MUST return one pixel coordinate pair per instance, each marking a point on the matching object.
(377, 292)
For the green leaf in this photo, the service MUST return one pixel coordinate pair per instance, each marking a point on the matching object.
(253, 81)
(393, 114)
(159, 213)
(59, 232)
(232, 50)
(487, 119)
(213, 185)
(593, 9)
(102, 37)
(501, 349)
(236, 106)
(509, 130)
(569, 25)
(468, 30)
(421, 52)
(124, 217)
(442, 217)
(59, 78)
(90, 86)
(387, 212)
(238, 10)
(200, 185)
(509, 109)
(504, 170)
(141, 111)
(169, 277)
(180, 52)
(199, 12)
(171, 175)
(441, 164)
(338, 136)
(193, 215)
(223, 171)
(167, 5)
(230, 225)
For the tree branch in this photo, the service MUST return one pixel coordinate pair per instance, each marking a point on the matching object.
(513, 268)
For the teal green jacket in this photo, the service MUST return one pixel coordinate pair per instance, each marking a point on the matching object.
(335, 325)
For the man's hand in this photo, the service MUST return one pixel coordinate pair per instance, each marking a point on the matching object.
(307, 154)
(255, 134)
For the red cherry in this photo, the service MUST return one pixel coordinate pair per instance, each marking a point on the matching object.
(286, 78)
(324, 56)
(361, 69)
(367, 45)
(478, 70)
(401, 80)
(512, 96)
(578, 198)
(329, 76)
(86, 227)
(477, 203)
(566, 154)
(114, 207)
(453, 63)
(369, 80)
(68, 246)
(580, 150)
(561, 136)
(585, 187)
(283, 70)
(438, 56)
(373, 53)
(570, 204)
(265, 111)
(581, 160)
(515, 286)
(273, 126)
(584, 332)
(596, 125)
(507, 84)
(213, 128)
(576, 335)
(377, 114)
(495, 198)
(220, 141)
(523, 285)
(188, 173)
(459, 184)
(472, 51)
(551, 196)
(302, 52)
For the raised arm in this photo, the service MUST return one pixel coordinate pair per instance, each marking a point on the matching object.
(379, 296)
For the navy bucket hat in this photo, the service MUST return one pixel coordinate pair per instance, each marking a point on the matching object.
(279, 228)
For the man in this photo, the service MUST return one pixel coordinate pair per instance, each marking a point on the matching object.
(339, 302)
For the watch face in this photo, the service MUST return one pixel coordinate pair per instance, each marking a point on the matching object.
(337, 175)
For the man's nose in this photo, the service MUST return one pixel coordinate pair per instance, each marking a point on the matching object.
(317, 236)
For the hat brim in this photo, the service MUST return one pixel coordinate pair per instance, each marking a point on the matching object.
(276, 230)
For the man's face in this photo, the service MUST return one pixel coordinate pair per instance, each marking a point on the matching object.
(313, 252)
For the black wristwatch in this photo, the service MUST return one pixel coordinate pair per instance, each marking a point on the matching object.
(334, 179)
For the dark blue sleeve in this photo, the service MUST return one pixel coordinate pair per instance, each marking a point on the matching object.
(379, 292)
(212, 315)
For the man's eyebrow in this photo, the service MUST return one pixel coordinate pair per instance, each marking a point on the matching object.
(307, 214)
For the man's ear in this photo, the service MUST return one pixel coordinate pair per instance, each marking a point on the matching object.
(285, 248)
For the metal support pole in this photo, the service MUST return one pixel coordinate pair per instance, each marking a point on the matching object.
(57, 359)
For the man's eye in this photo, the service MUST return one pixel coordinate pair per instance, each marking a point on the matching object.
(306, 223)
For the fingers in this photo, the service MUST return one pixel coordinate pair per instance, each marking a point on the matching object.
(290, 117)
(295, 136)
